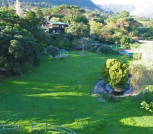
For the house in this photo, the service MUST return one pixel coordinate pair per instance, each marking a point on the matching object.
(54, 27)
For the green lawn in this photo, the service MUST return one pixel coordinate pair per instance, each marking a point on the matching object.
(59, 93)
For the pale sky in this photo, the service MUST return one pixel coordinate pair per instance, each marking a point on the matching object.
(142, 7)
(131, 2)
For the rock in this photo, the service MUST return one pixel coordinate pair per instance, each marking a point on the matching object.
(128, 91)
(99, 87)
(109, 89)
(145, 90)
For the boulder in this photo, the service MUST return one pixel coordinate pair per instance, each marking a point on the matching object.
(128, 91)
(99, 87)
(109, 89)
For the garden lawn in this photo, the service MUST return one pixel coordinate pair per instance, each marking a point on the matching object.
(59, 93)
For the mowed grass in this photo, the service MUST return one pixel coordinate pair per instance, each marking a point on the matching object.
(59, 93)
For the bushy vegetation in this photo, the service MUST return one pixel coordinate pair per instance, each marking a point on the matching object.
(125, 42)
(105, 49)
(141, 76)
(115, 73)
(20, 42)
(147, 106)
(52, 51)
(115, 28)
(137, 56)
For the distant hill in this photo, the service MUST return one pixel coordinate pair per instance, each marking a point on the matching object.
(86, 4)
(116, 8)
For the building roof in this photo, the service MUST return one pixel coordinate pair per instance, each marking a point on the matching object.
(57, 23)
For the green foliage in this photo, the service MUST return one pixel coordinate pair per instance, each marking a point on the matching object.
(93, 49)
(22, 40)
(141, 76)
(78, 29)
(81, 19)
(137, 56)
(63, 41)
(135, 45)
(148, 107)
(95, 28)
(17, 50)
(105, 49)
(115, 72)
(32, 19)
(82, 44)
(53, 51)
(125, 41)
(147, 97)
(67, 13)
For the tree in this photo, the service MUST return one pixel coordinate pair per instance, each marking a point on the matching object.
(95, 27)
(82, 43)
(68, 12)
(78, 29)
(115, 73)
(81, 19)
(17, 51)
(32, 19)
(125, 41)
(53, 51)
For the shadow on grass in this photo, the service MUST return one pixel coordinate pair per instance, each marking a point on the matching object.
(62, 97)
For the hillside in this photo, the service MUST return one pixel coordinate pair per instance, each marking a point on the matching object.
(115, 8)
(86, 4)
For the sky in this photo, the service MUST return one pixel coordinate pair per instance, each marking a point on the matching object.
(142, 7)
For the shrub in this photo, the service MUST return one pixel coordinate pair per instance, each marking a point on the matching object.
(147, 97)
(137, 56)
(125, 41)
(93, 49)
(82, 43)
(115, 72)
(147, 106)
(141, 76)
(105, 49)
(133, 46)
(52, 51)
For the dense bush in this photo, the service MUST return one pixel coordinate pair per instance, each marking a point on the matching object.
(93, 49)
(147, 97)
(52, 51)
(17, 50)
(63, 41)
(125, 41)
(147, 106)
(137, 56)
(82, 43)
(140, 76)
(115, 73)
(105, 49)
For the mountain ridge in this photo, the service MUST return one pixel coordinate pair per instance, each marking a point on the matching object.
(86, 4)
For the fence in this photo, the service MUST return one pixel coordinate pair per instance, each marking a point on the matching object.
(51, 128)
(9, 128)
